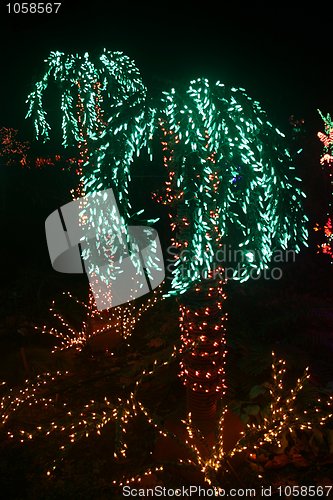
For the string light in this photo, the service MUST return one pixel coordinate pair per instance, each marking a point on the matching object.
(327, 160)
(118, 321)
(91, 420)
(284, 416)
(31, 393)
(11, 149)
(14, 152)
(203, 329)
(104, 113)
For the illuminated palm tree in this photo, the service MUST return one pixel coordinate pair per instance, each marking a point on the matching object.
(105, 115)
(233, 196)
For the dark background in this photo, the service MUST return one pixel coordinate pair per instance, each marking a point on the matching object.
(281, 56)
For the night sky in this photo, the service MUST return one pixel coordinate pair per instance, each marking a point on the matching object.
(282, 58)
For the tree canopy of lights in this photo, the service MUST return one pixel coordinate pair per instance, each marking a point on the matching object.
(232, 180)
(327, 160)
(104, 109)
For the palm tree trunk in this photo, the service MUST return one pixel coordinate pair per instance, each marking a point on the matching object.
(204, 349)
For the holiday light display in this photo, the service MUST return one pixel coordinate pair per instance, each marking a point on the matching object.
(231, 180)
(11, 149)
(118, 321)
(327, 160)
